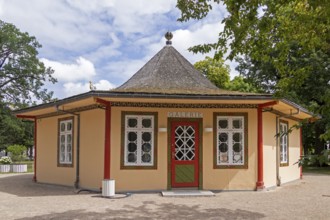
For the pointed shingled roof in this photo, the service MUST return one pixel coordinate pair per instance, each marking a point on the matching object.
(168, 72)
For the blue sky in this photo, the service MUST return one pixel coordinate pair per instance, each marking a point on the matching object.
(106, 41)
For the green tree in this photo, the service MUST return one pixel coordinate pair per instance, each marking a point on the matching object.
(17, 152)
(215, 70)
(13, 130)
(22, 77)
(311, 92)
(285, 45)
(22, 74)
(219, 73)
(240, 84)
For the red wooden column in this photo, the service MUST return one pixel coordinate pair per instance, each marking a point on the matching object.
(107, 146)
(107, 141)
(260, 181)
(35, 143)
(301, 151)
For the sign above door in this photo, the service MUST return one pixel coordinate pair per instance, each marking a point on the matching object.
(185, 115)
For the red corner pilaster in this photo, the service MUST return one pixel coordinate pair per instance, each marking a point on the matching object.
(34, 178)
(260, 182)
(107, 141)
(301, 151)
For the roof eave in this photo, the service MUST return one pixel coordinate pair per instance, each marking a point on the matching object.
(109, 94)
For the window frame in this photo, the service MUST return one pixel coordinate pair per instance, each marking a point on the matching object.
(139, 115)
(281, 137)
(231, 115)
(59, 163)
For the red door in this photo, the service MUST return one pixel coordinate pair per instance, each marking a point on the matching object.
(184, 153)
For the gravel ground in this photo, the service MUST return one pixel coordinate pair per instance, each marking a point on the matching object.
(20, 198)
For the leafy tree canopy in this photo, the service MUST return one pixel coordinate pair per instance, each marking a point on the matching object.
(219, 73)
(13, 130)
(240, 84)
(215, 70)
(22, 74)
(282, 46)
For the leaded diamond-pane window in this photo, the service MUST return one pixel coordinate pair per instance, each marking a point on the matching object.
(184, 143)
(139, 140)
(65, 142)
(230, 140)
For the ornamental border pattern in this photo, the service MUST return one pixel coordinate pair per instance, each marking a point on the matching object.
(149, 105)
(180, 105)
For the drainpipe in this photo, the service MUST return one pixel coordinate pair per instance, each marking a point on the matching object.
(260, 183)
(76, 183)
(35, 143)
(278, 177)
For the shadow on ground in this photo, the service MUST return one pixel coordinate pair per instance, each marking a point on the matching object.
(23, 186)
(151, 210)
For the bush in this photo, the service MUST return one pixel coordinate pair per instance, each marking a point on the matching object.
(17, 152)
(315, 160)
(5, 160)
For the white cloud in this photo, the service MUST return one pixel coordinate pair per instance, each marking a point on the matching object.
(82, 69)
(71, 88)
(124, 69)
(112, 38)
(104, 85)
(183, 39)
(137, 17)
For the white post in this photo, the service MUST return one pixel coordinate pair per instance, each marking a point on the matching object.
(108, 188)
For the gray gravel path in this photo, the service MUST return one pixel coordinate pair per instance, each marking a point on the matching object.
(20, 198)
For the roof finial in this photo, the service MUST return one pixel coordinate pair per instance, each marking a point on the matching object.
(168, 37)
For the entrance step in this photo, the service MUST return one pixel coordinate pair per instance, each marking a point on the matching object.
(187, 193)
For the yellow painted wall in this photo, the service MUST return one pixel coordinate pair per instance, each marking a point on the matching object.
(269, 147)
(157, 179)
(230, 179)
(138, 179)
(47, 170)
(292, 172)
(288, 173)
(91, 151)
(92, 148)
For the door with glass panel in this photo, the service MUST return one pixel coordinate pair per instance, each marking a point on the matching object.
(184, 154)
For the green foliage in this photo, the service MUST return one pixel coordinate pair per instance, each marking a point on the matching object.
(215, 70)
(219, 73)
(258, 27)
(282, 47)
(22, 75)
(316, 160)
(17, 152)
(13, 130)
(240, 84)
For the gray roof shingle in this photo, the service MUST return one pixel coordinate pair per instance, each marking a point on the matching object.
(168, 72)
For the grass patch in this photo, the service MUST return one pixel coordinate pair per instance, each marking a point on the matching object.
(320, 170)
(30, 165)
